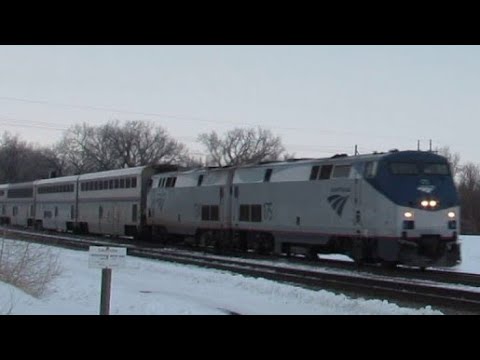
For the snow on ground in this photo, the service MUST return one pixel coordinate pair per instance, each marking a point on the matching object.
(155, 287)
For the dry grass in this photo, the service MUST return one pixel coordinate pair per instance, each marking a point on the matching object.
(30, 267)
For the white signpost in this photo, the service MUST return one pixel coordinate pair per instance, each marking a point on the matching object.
(106, 258)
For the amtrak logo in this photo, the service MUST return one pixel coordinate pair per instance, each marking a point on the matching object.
(425, 186)
(338, 203)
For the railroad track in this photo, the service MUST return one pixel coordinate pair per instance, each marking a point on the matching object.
(450, 292)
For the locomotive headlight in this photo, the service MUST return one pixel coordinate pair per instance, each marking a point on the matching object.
(451, 214)
(424, 203)
(408, 214)
(432, 203)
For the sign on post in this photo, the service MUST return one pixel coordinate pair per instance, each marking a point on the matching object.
(106, 258)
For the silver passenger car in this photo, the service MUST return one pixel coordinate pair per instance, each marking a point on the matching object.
(113, 202)
(55, 203)
(17, 204)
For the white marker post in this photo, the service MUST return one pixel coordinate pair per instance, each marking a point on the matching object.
(106, 258)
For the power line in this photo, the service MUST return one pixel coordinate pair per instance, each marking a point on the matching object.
(194, 118)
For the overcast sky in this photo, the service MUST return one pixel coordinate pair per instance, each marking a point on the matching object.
(320, 99)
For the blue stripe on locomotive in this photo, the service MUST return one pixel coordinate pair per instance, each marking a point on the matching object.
(403, 189)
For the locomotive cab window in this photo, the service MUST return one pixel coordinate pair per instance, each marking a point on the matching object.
(325, 172)
(268, 175)
(398, 168)
(370, 169)
(436, 169)
(341, 171)
(314, 172)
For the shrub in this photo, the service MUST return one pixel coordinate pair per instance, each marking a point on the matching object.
(30, 267)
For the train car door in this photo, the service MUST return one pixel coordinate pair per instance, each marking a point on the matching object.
(226, 202)
(234, 192)
(357, 199)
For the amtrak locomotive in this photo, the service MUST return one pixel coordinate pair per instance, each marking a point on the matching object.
(399, 207)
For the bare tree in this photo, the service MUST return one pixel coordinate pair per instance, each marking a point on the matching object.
(469, 190)
(453, 160)
(139, 143)
(20, 161)
(86, 148)
(73, 149)
(241, 146)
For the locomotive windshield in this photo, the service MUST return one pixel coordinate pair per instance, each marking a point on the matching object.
(403, 168)
(436, 169)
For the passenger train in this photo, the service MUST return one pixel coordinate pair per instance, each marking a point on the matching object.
(398, 207)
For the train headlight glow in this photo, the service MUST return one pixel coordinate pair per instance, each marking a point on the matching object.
(424, 203)
(451, 214)
(433, 203)
(408, 214)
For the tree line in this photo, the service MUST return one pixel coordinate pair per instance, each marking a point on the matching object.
(85, 148)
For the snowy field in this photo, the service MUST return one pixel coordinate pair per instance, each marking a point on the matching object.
(148, 287)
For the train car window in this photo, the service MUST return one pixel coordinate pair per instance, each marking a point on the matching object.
(436, 169)
(404, 168)
(325, 172)
(268, 175)
(171, 182)
(2, 192)
(314, 172)
(134, 212)
(200, 180)
(370, 170)
(128, 182)
(100, 185)
(20, 193)
(122, 183)
(214, 213)
(244, 213)
(105, 184)
(110, 184)
(116, 183)
(205, 212)
(256, 213)
(134, 182)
